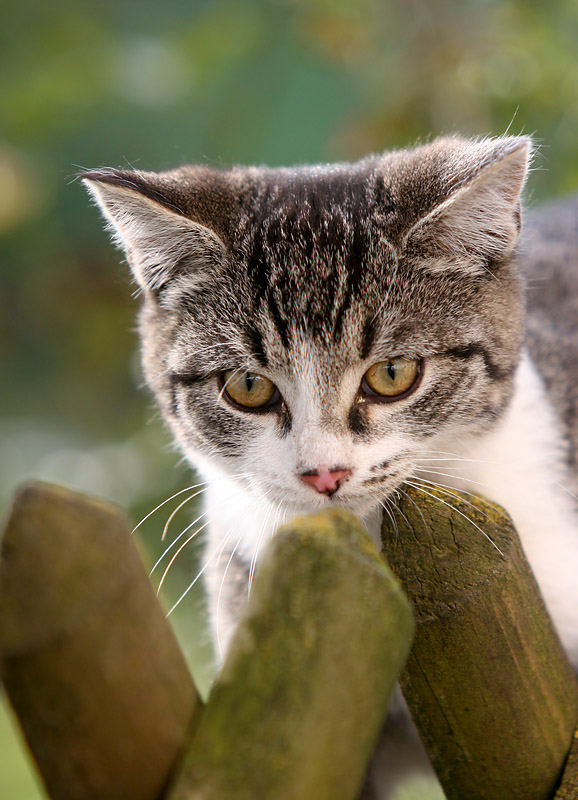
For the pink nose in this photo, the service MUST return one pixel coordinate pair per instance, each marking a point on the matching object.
(325, 481)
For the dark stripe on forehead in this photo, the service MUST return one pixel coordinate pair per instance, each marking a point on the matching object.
(255, 343)
(494, 371)
(352, 289)
(338, 325)
(368, 335)
(258, 267)
(280, 323)
(403, 332)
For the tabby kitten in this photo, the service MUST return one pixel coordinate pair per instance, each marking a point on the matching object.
(320, 335)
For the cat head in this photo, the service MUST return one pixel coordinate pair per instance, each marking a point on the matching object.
(316, 329)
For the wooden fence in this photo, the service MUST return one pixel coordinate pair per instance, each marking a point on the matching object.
(109, 710)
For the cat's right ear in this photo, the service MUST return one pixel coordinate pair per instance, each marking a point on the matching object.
(159, 240)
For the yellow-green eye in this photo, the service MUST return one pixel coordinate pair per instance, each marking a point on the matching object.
(391, 378)
(248, 389)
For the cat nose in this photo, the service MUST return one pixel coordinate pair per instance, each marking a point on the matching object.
(325, 481)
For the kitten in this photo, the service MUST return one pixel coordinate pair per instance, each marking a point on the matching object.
(318, 335)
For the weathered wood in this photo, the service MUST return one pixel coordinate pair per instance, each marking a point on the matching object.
(487, 681)
(568, 789)
(304, 689)
(90, 665)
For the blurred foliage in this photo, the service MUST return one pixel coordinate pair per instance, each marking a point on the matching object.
(152, 85)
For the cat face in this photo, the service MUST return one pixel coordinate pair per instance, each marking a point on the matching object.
(314, 331)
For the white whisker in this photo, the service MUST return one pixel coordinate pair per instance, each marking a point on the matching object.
(405, 494)
(197, 577)
(452, 492)
(398, 509)
(449, 505)
(257, 548)
(565, 489)
(188, 527)
(188, 489)
(178, 538)
(233, 343)
(385, 505)
(176, 555)
(176, 511)
(454, 457)
(219, 645)
(229, 379)
(168, 500)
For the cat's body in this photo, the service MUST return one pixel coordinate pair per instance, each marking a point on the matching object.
(312, 276)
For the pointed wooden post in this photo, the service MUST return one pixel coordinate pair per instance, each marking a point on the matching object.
(90, 665)
(304, 689)
(487, 682)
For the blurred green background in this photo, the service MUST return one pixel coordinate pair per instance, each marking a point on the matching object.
(152, 85)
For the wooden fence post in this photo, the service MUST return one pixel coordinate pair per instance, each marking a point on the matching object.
(487, 681)
(304, 689)
(90, 665)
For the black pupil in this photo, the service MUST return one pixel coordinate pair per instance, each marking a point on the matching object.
(391, 370)
(249, 381)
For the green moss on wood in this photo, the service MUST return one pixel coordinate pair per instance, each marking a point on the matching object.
(487, 681)
(303, 692)
(90, 665)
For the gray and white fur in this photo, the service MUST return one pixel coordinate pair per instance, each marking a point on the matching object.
(309, 276)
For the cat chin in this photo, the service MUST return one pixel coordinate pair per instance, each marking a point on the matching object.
(294, 505)
(360, 506)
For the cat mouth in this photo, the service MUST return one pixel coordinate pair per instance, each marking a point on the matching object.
(300, 503)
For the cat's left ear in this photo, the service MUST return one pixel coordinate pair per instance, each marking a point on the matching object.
(160, 240)
(476, 225)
